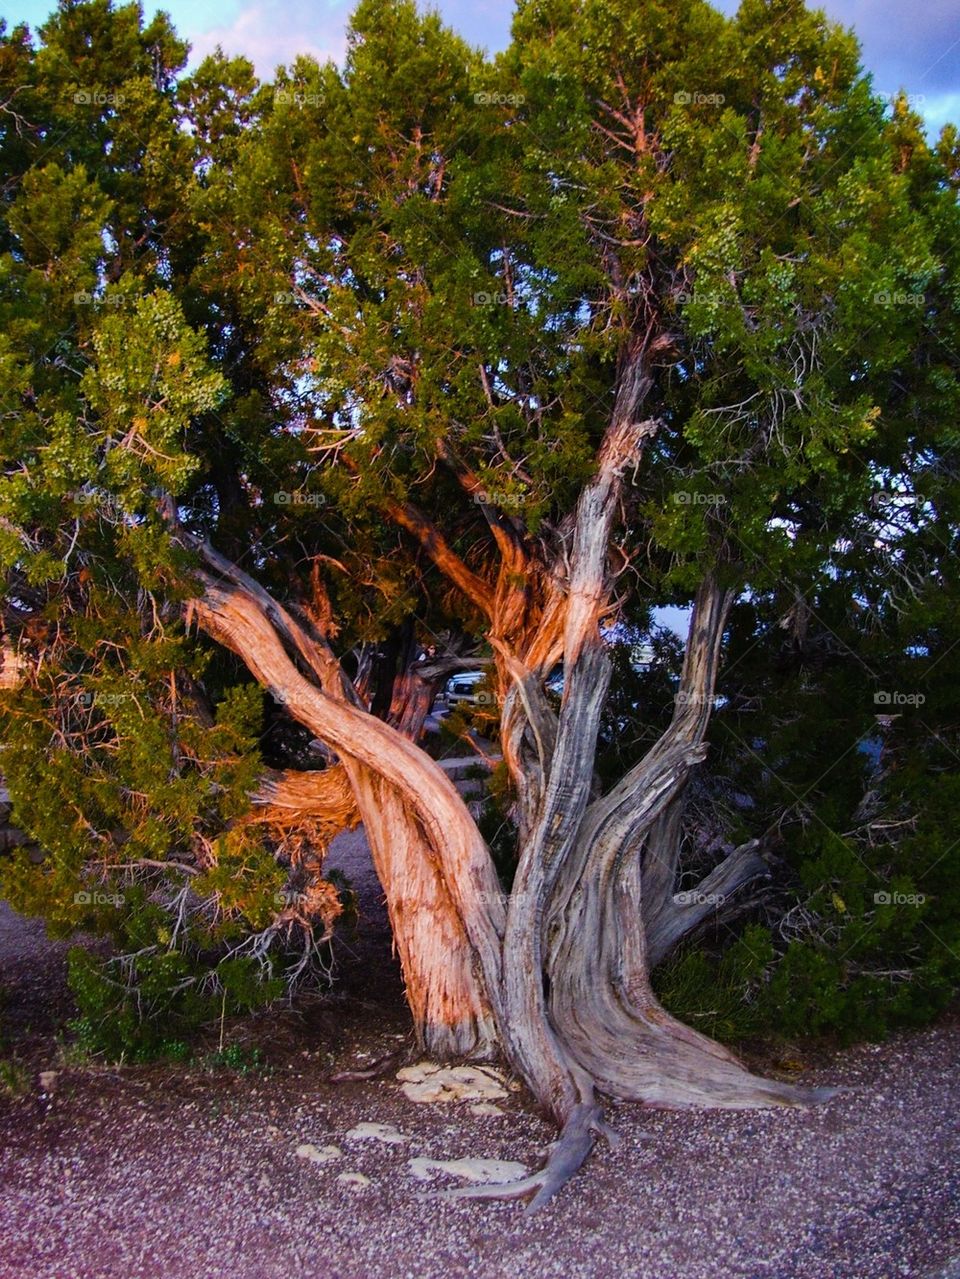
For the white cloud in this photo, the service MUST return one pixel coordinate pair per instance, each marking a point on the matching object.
(938, 111)
(918, 55)
(270, 36)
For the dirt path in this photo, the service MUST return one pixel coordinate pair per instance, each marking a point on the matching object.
(161, 1173)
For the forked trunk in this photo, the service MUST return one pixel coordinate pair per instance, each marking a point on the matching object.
(601, 999)
(557, 981)
(443, 896)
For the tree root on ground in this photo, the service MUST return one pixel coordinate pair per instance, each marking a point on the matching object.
(382, 1066)
(570, 1151)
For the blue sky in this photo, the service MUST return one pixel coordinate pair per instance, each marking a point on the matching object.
(916, 48)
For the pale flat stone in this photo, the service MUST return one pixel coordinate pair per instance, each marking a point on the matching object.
(486, 1108)
(491, 1172)
(376, 1132)
(316, 1155)
(428, 1082)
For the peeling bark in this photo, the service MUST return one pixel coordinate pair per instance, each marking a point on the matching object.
(451, 1017)
(425, 843)
(286, 796)
(557, 980)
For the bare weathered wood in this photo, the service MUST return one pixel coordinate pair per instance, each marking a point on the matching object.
(570, 1151)
(558, 979)
(601, 1000)
(682, 913)
(543, 1057)
(435, 866)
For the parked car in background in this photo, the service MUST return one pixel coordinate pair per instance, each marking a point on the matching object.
(465, 687)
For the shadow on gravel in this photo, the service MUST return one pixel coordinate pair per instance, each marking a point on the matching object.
(162, 1171)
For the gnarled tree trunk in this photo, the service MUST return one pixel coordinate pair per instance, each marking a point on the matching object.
(557, 980)
(442, 892)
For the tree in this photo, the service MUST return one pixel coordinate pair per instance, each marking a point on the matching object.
(485, 357)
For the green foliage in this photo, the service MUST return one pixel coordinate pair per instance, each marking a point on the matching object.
(726, 997)
(14, 1078)
(156, 1008)
(861, 923)
(238, 1058)
(282, 309)
(816, 987)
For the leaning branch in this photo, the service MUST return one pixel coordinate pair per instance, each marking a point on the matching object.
(439, 550)
(684, 912)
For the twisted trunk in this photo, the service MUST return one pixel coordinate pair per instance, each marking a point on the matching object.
(602, 1001)
(442, 892)
(445, 991)
(558, 980)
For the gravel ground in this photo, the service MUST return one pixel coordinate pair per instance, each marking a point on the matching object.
(154, 1172)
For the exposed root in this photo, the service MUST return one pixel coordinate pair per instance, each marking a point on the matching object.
(570, 1151)
(382, 1066)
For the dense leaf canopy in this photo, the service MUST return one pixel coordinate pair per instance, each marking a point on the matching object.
(332, 311)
